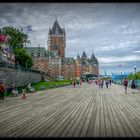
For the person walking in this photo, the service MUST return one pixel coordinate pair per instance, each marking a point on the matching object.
(110, 81)
(125, 83)
(102, 83)
(133, 86)
(106, 82)
(74, 83)
(2, 89)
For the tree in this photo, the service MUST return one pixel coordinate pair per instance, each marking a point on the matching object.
(17, 37)
(16, 41)
(23, 58)
(134, 76)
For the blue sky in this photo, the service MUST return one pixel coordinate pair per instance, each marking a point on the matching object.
(109, 30)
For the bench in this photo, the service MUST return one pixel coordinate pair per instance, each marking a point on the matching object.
(31, 89)
(42, 87)
(51, 86)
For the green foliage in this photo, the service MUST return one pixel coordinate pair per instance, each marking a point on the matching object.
(16, 41)
(17, 38)
(23, 58)
(134, 76)
(47, 84)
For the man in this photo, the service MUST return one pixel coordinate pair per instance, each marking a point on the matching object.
(125, 83)
(2, 90)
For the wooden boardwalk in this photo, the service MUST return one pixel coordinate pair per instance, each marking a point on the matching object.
(85, 111)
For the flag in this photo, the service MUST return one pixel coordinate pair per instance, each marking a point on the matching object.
(3, 38)
(29, 28)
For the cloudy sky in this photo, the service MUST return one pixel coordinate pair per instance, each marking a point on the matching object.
(109, 30)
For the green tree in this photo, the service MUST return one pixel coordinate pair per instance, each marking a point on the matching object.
(134, 76)
(17, 39)
(23, 58)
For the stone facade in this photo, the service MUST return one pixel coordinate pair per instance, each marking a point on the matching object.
(18, 78)
(53, 61)
(57, 39)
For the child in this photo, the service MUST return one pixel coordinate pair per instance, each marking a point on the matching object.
(23, 94)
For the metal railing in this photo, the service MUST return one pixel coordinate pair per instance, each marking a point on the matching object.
(137, 83)
(7, 65)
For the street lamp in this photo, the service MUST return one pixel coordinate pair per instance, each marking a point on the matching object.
(135, 73)
(135, 69)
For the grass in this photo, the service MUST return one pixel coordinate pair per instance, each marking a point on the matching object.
(50, 84)
(44, 85)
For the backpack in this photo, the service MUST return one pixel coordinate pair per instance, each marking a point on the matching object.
(125, 82)
(1, 88)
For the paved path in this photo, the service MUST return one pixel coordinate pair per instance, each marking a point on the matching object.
(85, 111)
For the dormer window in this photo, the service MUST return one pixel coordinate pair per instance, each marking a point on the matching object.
(56, 31)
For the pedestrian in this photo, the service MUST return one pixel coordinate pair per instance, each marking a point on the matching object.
(110, 82)
(102, 83)
(2, 89)
(99, 83)
(74, 83)
(80, 82)
(13, 91)
(106, 82)
(133, 86)
(23, 94)
(125, 83)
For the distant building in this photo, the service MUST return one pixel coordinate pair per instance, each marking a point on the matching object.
(57, 39)
(53, 61)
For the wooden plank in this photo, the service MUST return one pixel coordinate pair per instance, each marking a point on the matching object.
(90, 131)
(108, 129)
(113, 124)
(78, 124)
(87, 121)
(96, 131)
(129, 116)
(54, 125)
(121, 125)
(65, 128)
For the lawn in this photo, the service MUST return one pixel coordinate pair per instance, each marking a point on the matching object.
(50, 84)
(44, 85)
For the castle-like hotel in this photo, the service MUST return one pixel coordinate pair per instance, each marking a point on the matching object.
(53, 61)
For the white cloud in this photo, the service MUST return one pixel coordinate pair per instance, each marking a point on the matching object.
(105, 29)
(112, 59)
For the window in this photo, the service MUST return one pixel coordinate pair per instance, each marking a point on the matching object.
(56, 31)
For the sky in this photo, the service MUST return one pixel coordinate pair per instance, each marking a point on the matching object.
(109, 30)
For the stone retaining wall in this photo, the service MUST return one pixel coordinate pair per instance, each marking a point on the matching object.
(18, 78)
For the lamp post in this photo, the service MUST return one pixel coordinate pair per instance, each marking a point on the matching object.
(135, 68)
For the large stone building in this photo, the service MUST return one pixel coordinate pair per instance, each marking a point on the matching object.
(53, 61)
(57, 40)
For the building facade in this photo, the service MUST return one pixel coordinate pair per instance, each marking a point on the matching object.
(53, 61)
(57, 39)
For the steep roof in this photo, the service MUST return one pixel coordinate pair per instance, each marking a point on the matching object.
(68, 60)
(84, 56)
(78, 57)
(39, 50)
(56, 29)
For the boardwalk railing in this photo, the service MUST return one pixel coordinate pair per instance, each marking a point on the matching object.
(7, 65)
(137, 82)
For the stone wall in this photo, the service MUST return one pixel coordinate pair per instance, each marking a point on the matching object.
(18, 78)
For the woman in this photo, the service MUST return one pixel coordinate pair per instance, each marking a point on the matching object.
(133, 86)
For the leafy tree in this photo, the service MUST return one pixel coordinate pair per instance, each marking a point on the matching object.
(16, 41)
(134, 76)
(23, 58)
(17, 37)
